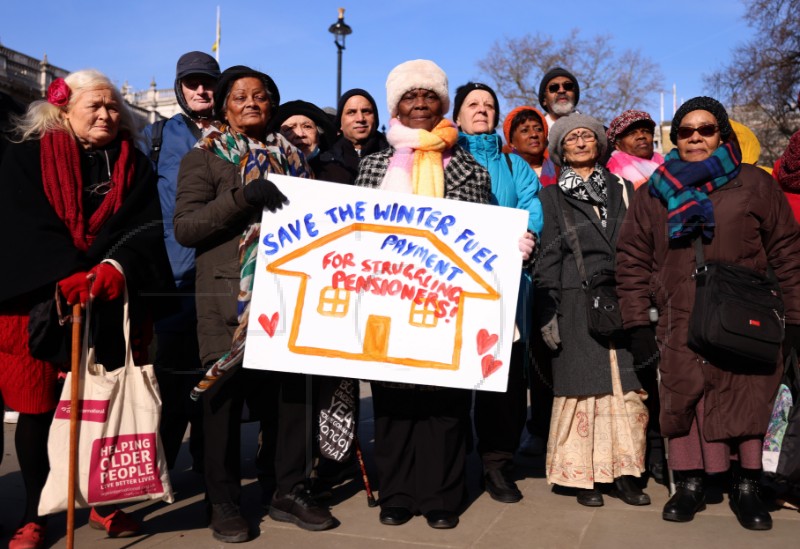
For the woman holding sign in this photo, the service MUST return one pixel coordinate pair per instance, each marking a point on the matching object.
(597, 430)
(420, 431)
(223, 189)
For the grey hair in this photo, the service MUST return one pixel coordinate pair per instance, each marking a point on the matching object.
(42, 116)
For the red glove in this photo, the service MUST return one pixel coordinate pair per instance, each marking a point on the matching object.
(108, 283)
(75, 288)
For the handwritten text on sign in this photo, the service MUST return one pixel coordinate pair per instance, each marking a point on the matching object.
(369, 284)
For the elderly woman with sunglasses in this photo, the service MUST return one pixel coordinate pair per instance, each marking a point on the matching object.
(597, 430)
(714, 412)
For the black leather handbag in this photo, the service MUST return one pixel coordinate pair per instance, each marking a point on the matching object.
(48, 331)
(738, 313)
(603, 316)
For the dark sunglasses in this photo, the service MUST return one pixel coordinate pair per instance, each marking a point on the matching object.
(193, 83)
(706, 130)
(567, 86)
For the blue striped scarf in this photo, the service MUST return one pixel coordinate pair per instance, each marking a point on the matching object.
(683, 187)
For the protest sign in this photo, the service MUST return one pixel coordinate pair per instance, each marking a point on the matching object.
(370, 284)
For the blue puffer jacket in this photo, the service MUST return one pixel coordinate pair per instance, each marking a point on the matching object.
(519, 189)
(177, 139)
(515, 187)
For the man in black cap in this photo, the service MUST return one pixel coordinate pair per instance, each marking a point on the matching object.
(357, 120)
(177, 361)
(559, 94)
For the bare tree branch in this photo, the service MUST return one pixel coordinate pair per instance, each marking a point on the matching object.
(610, 81)
(762, 81)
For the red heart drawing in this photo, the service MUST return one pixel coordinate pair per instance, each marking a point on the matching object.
(485, 341)
(489, 365)
(268, 324)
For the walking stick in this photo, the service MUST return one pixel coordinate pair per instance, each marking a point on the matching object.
(360, 457)
(74, 414)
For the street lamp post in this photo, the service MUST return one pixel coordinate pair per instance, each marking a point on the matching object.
(340, 30)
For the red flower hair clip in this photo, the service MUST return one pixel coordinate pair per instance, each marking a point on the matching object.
(58, 93)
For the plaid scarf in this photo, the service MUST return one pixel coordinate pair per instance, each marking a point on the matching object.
(60, 160)
(683, 187)
(255, 159)
(417, 163)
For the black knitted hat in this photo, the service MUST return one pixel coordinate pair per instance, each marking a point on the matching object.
(463, 91)
(553, 73)
(337, 122)
(231, 75)
(702, 103)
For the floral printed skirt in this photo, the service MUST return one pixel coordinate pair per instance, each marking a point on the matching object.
(597, 438)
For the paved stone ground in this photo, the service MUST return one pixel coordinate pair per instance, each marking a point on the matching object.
(542, 519)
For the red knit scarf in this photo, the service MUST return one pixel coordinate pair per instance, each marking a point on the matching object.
(63, 185)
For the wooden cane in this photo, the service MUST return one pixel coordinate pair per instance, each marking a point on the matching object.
(74, 414)
(360, 457)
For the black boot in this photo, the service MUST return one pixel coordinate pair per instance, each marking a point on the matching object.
(626, 489)
(501, 487)
(747, 504)
(689, 498)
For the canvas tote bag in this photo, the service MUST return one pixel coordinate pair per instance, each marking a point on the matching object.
(120, 456)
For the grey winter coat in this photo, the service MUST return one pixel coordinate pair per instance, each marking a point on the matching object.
(581, 365)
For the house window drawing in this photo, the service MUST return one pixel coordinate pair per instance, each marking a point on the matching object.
(379, 304)
(423, 316)
(333, 302)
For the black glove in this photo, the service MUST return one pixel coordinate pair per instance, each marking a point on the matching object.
(643, 347)
(264, 193)
(791, 339)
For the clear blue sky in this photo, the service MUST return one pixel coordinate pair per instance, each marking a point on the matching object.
(136, 41)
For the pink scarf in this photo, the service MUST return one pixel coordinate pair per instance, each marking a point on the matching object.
(417, 165)
(634, 169)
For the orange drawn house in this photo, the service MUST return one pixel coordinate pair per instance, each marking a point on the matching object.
(334, 321)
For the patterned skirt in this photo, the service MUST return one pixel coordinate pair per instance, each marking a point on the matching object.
(597, 438)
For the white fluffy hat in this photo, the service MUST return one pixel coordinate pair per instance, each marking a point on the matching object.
(412, 75)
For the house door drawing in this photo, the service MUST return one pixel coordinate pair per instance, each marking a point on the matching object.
(376, 337)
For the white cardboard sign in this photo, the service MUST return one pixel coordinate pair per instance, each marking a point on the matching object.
(369, 284)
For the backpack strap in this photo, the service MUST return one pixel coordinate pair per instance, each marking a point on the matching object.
(156, 140)
(508, 161)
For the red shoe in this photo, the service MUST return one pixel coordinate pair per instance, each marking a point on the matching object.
(30, 536)
(118, 524)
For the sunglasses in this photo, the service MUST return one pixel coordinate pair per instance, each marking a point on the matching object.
(706, 130)
(566, 86)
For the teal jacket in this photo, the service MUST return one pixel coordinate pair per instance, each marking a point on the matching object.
(514, 185)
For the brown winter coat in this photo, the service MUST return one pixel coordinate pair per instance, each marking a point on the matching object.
(210, 215)
(754, 225)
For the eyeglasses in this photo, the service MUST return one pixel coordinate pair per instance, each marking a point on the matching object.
(706, 130)
(566, 86)
(587, 138)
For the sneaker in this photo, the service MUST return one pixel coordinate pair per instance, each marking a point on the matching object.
(30, 536)
(533, 445)
(117, 525)
(299, 507)
(11, 416)
(227, 524)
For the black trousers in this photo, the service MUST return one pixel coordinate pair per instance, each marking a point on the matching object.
(420, 447)
(222, 410)
(500, 417)
(178, 369)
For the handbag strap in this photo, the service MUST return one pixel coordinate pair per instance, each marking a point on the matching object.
(88, 353)
(572, 237)
(700, 260)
